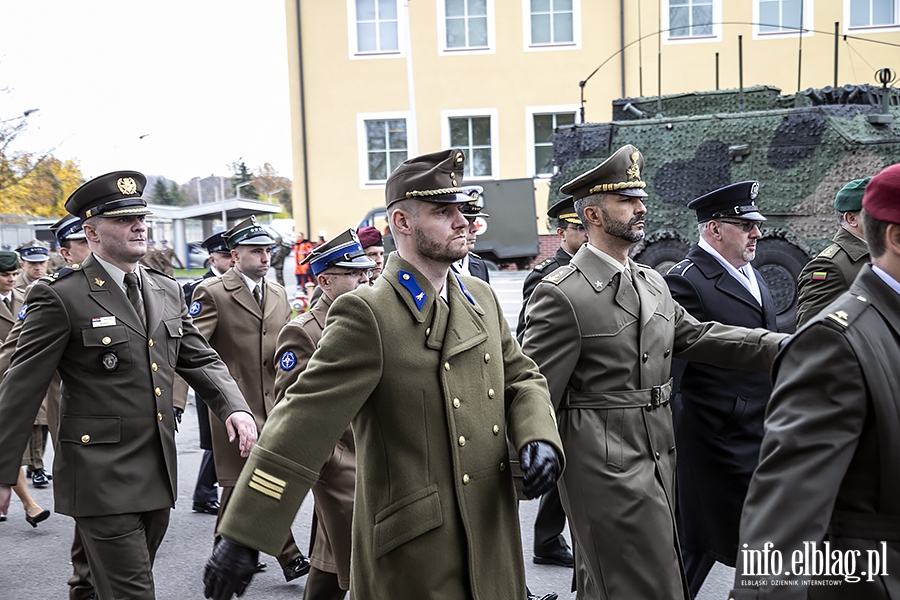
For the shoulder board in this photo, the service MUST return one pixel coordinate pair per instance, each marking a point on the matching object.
(542, 266)
(848, 310)
(54, 277)
(829, 252)
(680, 268)
(473, 254)
(559, 274)
(156, 272)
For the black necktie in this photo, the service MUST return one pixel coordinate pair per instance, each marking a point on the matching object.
(8, 304)
(257, 295)
(134, 296)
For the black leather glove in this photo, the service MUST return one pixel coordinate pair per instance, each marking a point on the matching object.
(229, 570)
(540, 464)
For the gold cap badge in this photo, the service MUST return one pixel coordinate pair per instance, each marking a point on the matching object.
(127, 186)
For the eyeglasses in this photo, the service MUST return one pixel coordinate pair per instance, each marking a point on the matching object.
(367, 273)
(745, 226)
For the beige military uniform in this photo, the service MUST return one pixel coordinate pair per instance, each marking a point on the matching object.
(433, 389)
(606, 347)
(829, 274)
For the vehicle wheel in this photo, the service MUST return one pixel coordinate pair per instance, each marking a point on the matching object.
(780, 262)
(663, 255)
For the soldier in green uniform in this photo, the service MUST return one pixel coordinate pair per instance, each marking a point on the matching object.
(830, 274)
(829, 468)
(424, 365)
(117, 333)
(603, 331)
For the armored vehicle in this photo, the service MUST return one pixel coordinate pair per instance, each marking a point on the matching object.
(508, 237)
(801, 147)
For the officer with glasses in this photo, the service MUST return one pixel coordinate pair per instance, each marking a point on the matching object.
(718, 412)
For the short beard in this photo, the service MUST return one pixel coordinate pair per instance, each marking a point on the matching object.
(433, 250)
(621, 230)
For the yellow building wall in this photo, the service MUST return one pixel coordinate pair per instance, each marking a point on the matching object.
(509, 79)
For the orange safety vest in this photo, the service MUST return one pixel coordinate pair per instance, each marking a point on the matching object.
(301, 251)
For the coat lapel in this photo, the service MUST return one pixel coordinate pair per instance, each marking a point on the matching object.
(465, 325)
(234, 283)
(869, 285)
(108, 295)
(649, 294)
(725, 282)
(154, 299)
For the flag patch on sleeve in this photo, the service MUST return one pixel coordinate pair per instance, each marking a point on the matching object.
(819, 276)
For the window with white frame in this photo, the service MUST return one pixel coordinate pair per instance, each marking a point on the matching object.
(690, 18)
(474, 136)
(873, 13)
(384, 144)
(376, 28)
(466, 24)
(781, 16)
(552, 22)
(543, 126)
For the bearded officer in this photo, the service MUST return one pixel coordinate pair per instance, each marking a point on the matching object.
(829, 467)
(241, 313)
(603, 330)
(718, 413)
(830, 274)
(424, 365)
(116, 333)
(339, 266)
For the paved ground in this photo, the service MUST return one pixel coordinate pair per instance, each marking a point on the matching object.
(34, 563)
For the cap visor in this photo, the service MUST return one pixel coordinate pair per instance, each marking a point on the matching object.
(635, 192)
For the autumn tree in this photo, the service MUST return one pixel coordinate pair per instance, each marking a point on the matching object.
(38, 184)
(273, 187)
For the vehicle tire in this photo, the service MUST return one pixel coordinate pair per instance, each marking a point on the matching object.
(663, 255)
(780, 262)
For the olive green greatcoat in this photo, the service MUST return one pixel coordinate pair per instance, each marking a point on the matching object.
(227, 315)
(116, 447)
(333, 491)
(433, 389)
(606, 352)
(840, 262)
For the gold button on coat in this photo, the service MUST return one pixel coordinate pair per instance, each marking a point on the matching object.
(159, 416)
(465, 478)
(150, 342)
(502, 467)
(456, 403)
(487, 357)
(153, 367)
(428, 331)
(462, 440)
(496, 429)
(85, 439)
(491, 393)
(446, 366)
(106, 341)
(158, 392)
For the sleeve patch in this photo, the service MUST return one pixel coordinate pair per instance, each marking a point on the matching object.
(22, 312)
(195, 309)
(819, 276)
(287, 361)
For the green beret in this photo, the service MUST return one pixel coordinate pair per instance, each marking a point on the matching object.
(9, 261)
(849, 199)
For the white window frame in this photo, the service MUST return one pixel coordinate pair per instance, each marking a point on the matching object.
(363, 147)
(446, 115)
(575, 44)
(530, 112)
(442, 32)
(715, 36)
(871, 28)
(353, 43)
(808, 25)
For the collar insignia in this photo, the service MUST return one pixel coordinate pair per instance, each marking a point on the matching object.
(98, 282)
(465, 291)
(408, 281)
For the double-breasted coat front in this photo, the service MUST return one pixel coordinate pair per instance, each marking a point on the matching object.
(433, 389)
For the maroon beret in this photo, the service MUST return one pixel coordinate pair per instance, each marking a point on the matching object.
(369, 236)
(882, 197)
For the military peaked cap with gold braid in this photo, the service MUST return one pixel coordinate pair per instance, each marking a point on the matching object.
(564, 210)
(435, 177)
(618, 174)
(115, 194)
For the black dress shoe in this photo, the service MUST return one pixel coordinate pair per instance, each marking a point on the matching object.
(561, 558)
(297, 568)
(41, 516)
(39, 478)
(550, 596)
(2, 517)
(211, 507)
(260, 567)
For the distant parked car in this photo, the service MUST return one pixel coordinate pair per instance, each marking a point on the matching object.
(197, 256)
